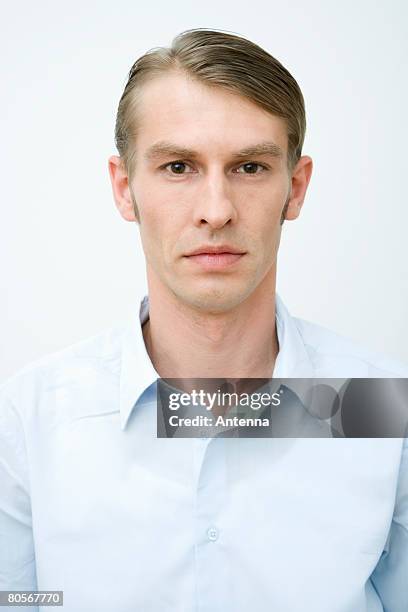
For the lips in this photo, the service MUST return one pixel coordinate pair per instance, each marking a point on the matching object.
(215, 261)
(224, 249)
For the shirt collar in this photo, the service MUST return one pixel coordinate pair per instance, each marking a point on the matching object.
(138, 375)
(293, 359)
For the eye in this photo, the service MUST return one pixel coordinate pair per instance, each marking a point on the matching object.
(251, 168)
(177, 167)
(180, 167)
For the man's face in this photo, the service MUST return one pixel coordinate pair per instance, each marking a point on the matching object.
(215, 197)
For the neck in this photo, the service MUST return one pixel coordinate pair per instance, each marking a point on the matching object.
(183, 342)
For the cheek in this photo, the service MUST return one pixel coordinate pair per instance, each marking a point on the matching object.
(150, 207)
(261, 214)
(151, 226)
(156, 203)
(262, 223)
(163, 212)
(265, 199)
(159, 232)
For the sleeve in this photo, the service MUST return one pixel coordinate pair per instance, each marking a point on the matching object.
(17, 558)
(390, 576)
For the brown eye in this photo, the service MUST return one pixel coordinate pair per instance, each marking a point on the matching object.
(177, 167)
(250, 168)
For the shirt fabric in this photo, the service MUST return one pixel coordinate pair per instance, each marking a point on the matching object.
(94, 504)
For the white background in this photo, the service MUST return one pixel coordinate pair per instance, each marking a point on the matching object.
(72, 267)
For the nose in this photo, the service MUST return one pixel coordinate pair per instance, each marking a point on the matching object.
(214, 203)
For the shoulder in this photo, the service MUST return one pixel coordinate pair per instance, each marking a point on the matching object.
(92, 361)
(333, 355)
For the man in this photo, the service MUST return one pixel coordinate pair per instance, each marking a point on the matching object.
(92, 502)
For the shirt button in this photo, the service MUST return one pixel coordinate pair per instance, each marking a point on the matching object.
(212, 534)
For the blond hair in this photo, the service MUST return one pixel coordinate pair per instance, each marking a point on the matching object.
(220, 59)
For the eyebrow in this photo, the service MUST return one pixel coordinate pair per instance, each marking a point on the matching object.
(165, 148)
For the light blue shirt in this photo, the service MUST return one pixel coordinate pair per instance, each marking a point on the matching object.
(94, 504)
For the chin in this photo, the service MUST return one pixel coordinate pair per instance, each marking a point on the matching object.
(213, 300)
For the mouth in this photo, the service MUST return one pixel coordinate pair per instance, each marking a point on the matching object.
(215, 261)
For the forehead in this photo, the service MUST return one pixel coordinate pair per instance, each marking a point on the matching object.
(176, 108)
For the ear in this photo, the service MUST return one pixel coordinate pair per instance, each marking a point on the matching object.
(120, 188)
(301, 175)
